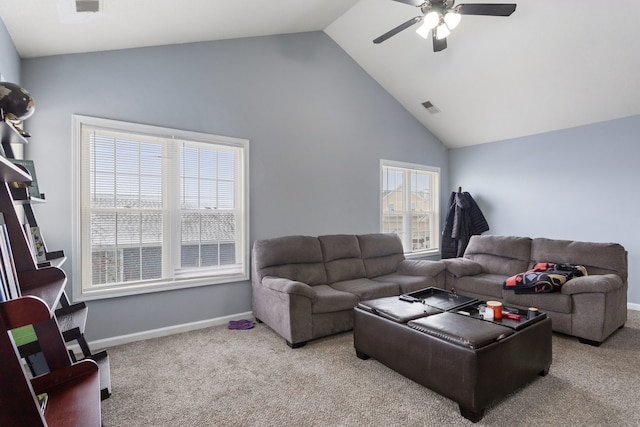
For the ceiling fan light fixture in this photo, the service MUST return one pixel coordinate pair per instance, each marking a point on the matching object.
(440, 17)
(432, 19)
(442, 31)
(452, 19)
(423, 31)
(429, 22)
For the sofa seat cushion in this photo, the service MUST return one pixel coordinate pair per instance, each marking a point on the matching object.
(408, 283)
(461, 330)
(330, 300)
(480, 284)
(366, 289)
(554, 301)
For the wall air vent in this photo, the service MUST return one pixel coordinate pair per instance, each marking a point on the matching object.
(87, 5)
(430, 107)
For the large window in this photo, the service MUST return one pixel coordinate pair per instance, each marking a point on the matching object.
(157, 208)
(409, 205)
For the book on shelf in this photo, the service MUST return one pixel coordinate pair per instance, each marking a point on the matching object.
(43, 398)
(34, 237)
(8, 273)
(27, 165)
(30, 240)
(3, 295)
(24, 335)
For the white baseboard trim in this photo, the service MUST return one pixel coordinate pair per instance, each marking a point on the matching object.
(161, 332)
(186, 327)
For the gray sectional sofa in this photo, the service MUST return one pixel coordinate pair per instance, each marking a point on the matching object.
(306, 287)
(591, 307)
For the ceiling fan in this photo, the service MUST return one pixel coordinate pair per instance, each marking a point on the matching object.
(439, 17)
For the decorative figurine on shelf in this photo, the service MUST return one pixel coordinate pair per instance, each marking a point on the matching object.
(16, 104)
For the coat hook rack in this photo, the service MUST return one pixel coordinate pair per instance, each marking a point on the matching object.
(459, 189)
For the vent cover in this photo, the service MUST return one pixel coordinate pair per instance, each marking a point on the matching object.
(87, 5)
(430, 107)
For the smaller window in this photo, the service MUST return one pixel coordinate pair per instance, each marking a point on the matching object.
(409, 204)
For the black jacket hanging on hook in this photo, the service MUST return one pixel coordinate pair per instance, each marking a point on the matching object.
(464, 219)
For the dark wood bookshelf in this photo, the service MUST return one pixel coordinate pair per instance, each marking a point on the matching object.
(74, 387)
(40, 276)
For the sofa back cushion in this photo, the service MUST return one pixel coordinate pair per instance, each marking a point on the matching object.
(598, 258)
(381, 253)
(504, 255)
(342, 257)
(296, 258)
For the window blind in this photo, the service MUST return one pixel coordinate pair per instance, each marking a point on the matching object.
(159, 209)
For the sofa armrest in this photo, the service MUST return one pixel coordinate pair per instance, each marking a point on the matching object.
(597, 283)
(460, 267)
(287, 286)
(422, 267)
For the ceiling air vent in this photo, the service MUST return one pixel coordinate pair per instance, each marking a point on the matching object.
(430, 107)
(87, 5)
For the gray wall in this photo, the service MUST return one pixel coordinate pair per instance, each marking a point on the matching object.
(9, 59)
(576, 184)
(318, 126)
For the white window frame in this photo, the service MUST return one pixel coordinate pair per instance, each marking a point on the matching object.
(434, 216)
(176, 279)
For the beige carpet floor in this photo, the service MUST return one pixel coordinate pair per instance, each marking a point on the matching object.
(222, 377)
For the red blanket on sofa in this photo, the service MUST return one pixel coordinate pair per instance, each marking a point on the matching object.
(544, 277)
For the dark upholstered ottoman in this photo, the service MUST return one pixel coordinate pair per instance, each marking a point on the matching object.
(471, 361)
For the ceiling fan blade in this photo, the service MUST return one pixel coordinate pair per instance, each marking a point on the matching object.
(497, 9)
(415, 3)
(438, 45)
(397, 29)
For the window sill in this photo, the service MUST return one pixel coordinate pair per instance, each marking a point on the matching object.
(106, 292)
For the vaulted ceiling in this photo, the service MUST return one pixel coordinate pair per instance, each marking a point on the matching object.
(551, 65)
